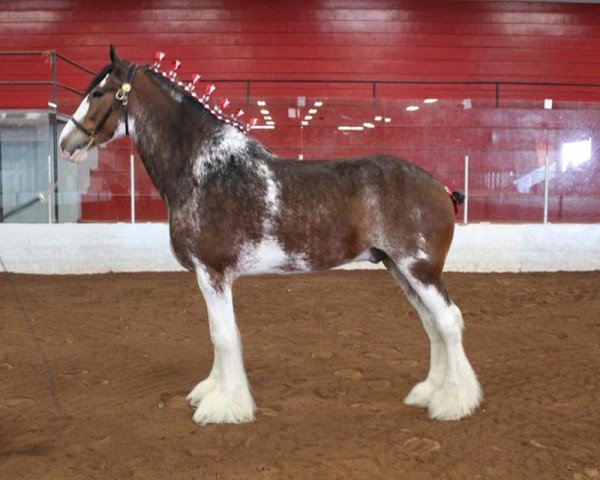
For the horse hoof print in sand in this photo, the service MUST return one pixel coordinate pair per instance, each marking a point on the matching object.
(237, 209)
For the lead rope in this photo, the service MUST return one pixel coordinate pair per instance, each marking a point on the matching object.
(51, 378)
(41, 196)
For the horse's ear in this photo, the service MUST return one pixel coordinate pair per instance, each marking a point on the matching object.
(114, 58)
(113, 54)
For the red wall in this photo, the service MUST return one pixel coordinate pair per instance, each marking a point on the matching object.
(367, 40)
(324, 39)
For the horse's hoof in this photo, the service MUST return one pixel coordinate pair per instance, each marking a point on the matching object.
(421, 394)
(453, 402)
(200, 391)
(221, 407)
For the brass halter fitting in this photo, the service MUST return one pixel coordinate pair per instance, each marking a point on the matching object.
(122, 94)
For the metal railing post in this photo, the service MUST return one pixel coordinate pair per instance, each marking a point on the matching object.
(50, 198)
(466, 206)
(546, 184)
(54, 120)
(1, 181)
(132, 186)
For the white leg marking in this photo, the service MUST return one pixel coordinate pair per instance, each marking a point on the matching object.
(456, 393)
(224, 397)
(206, 386)
(422, 393)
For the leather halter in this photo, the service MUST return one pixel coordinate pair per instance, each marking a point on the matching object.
(121, 97)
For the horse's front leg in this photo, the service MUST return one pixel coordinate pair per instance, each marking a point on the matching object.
(224, 397)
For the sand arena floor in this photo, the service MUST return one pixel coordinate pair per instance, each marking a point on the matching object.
(329, 356)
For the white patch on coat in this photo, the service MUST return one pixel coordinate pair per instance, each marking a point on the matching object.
(270, 257)
(230, 142)
(121, 131)
(458, 393)
(272, 188)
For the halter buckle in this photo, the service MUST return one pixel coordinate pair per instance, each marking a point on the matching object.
(121, 94)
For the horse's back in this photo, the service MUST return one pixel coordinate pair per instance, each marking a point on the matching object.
(380, 202)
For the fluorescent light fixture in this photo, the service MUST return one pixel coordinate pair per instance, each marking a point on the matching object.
(412, 108)
(430, 100)
(263, 127)
(318, 104)
(264, 111)
(378, 118)
(52, 105)
(304, 122)
(308, 117)
(270, 122)
(387, 120)
(261, 103)
(368, 125)
(312, 111)
(350, 128)
(268, 117)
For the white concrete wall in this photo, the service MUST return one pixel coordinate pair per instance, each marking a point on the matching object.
(100, 248)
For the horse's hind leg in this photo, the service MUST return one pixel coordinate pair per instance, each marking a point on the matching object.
(459, 393)
(422, 393)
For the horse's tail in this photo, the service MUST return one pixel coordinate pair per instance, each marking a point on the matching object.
(458, 198)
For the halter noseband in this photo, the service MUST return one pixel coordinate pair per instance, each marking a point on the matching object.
(121, 97)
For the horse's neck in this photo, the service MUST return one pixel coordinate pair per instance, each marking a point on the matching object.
(169, 136)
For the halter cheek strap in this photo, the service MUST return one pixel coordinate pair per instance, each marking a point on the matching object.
(121, 97)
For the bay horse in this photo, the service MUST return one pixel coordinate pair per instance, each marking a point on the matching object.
(237, 209)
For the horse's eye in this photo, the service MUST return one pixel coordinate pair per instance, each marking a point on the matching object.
(97, 93)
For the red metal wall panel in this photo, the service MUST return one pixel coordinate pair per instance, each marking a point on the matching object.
(369, 40)
(327, 39)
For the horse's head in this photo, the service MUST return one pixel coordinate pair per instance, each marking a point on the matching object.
(102, 115)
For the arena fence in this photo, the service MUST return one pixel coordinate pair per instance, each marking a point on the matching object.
(523, 152)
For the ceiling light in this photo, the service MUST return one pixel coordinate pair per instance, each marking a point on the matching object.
(368, 125)
(349, 128)
(270, 122)
(318, 103)
(412, 108)
(312, 111)
(308, 117)
(264, 111)
(268, 117)
(430, 100)
(387, 120)
(261, 103)
(263, 127)
(378, 118)
(304, 122)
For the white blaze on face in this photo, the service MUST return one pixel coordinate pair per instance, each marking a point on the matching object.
(70, 127)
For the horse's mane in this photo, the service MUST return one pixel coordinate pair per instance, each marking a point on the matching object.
(98, 78)
(192, 100)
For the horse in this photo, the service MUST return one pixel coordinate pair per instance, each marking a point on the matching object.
(237, 209)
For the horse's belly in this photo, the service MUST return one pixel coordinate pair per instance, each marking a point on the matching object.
(269, 256)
